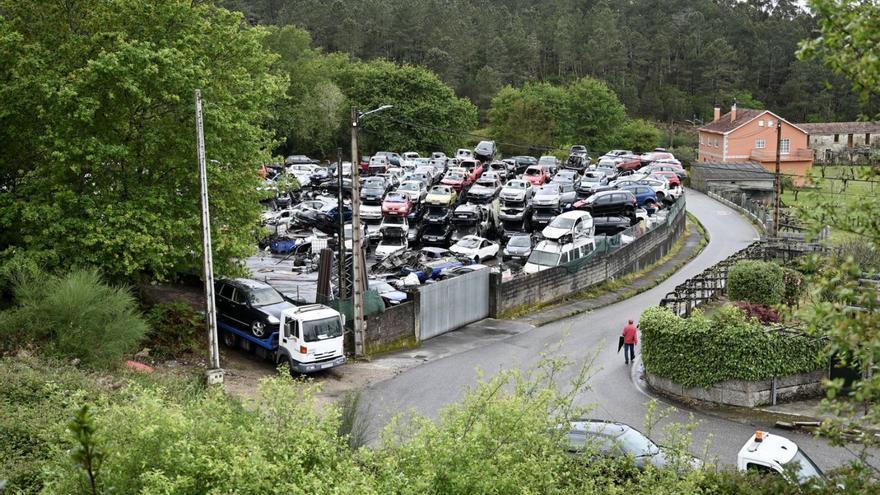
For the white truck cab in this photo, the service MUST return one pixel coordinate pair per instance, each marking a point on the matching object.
(765, 452)
(311, 338)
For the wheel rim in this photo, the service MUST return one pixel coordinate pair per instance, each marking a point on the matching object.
(258, 328)
(228, 339)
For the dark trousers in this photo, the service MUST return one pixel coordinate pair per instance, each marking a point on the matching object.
(631, 349)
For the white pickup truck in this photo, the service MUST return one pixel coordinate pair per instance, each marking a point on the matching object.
(774, 454)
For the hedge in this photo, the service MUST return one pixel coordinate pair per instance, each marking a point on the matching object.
(700, 351)
(759, 282)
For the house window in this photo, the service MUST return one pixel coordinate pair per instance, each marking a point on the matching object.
(784, 146)
(760, 123)
(836, 138)
(759, 143)
(701, 139)
(867, 139)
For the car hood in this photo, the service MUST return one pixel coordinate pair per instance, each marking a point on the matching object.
(394, 295)
(275, 309)
(517, 250)
(515, 194)
(553, 233)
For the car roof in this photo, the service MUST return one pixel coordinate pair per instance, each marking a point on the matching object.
(248, 283)
(573, 214)
(775, 447)
(600, 427)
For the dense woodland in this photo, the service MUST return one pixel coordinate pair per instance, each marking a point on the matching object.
(666, 59)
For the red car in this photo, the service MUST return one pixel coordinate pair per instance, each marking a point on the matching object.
(672, 177)
(396, 205)
(365, 164)
(536, 175)
(475, 167)
(630, 162)
(457, 179)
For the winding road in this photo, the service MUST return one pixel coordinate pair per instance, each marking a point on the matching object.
(614, 388)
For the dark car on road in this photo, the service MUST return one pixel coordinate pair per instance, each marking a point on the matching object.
(250, 305)
(613, 202)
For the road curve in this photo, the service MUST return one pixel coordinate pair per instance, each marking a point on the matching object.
(429, 387)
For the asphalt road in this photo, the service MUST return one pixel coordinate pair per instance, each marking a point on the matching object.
(613, 388)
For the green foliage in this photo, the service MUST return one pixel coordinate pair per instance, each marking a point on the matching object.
(586, 111)
(85, 453)
(175, 329)
(75, 315)
(702, 351)
(795, 286)
(848, 42)
(101, 112)
(759, 282)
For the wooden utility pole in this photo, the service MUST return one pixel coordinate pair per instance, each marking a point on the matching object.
(215, 374)
(356, 250)
(778, 180)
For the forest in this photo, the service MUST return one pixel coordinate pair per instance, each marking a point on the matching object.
(667, 60)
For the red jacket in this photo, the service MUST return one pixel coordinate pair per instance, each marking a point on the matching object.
(630, 334)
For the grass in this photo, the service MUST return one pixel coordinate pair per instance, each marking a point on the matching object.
(616, 285)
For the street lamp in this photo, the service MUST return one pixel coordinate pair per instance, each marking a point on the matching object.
(357, 252)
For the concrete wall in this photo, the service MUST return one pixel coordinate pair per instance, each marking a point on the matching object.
(821, 142)
(394, 327)
(556, 283)
(744, 393)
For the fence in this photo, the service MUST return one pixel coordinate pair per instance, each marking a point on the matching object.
(712, 282)
(763, 214)
(453, 303)
(627, 252)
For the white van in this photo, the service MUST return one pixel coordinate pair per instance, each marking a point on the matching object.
(575, 223)
(554, 253)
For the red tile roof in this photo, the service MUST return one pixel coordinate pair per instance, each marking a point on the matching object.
(842, 128)
(724, 124)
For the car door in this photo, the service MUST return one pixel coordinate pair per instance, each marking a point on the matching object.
(223, 300)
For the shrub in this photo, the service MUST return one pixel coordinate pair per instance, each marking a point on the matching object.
(73, 316)
(764, 314)
(701, 351)
(794, 286)
(758, 282)
(175, 328)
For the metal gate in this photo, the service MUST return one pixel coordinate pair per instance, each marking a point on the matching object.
(453, 303)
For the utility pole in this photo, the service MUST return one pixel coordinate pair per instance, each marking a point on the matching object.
(214, 373)
(340, 250)
(778, 181)
(356, 251)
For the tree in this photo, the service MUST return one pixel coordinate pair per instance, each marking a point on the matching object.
(103, 102)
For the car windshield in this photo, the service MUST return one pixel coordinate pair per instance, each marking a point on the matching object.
(805, 468)
(544, 258)
(516, 185)
(265, 297)
(562, 223)
(590, 178)
(455, 176)
(533, 171)
(548, 160)
(637, 444)
(548, 191)
(395, 199)
(374, 182)
(323, 329)
(469, 243)
(520, 241)
(409, 186)
(439, 190)
(486, 183)
(515, 204)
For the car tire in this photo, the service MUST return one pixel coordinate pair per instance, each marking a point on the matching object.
(230, 340)
(258, 328)
(477, 260)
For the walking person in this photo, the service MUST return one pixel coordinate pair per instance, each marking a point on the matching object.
(630, 339)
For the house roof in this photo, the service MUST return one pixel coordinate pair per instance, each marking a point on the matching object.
(724, 124)
(743, 117)
(841, 128)
(710, 171)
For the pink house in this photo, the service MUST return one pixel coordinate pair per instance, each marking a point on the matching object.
(745, 134)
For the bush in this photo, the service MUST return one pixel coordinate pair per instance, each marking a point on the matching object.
(794, 286)
(701, 351)
(175, 328)
(75, 315)
(758, 282)
(764, 314)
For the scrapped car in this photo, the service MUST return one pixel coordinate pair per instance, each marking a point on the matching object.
(649, 158)
(441, 195)
(485, 189)
(500, 168)
(476, 248)
(303, 172)
(437, 214)
(524, 162)
(610, 225)
(536, 175)
(485, 151)
(666, 167)
(578, 163)
(373, 190)
(672, 177)
(617, 440)
(439, 165)
(609, 169)
(371, 211)
(464, 153)
(378, 164)
(415, 189)
(437, 234)
(566, 175)
(613, 202)
(547, 196)
(518, 248)
(571, 223)
(517, 190)
(548, 254)
(390, 245)
(250, 305)
(457, 180)
(645, 195)
(396, 204)
(299, 159)
(390, 296)
(515, 211)
(550, 164)
(473, 167)
(394, 159)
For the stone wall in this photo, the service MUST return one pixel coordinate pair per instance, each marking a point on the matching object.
(744, 393)
(558, 282)
(392, 328)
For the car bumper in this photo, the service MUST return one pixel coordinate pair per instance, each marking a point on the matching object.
(321, 365)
